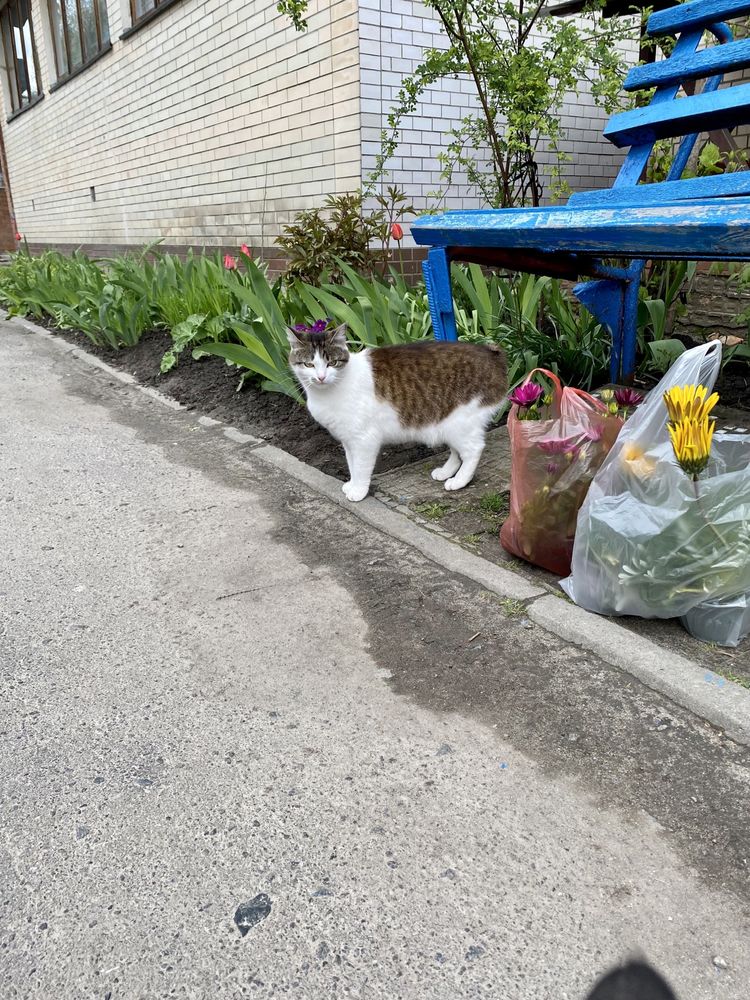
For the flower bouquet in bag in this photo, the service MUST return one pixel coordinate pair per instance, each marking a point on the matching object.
(665, 529)
(558, 440)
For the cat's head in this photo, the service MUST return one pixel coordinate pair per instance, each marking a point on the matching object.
(318, 357)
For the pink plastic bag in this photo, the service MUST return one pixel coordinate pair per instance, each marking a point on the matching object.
(553, 461)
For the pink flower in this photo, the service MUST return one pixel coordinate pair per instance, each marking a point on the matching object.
(397, 232)
(246, 250)
(628, 397)
(558, 446)
(19, 237)
(230, 262)
(526, 395)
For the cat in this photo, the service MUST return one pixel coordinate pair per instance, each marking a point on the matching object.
(428, 392)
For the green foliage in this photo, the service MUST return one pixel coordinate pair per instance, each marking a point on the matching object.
(78, 294)
(537, 323)
(259, 331)
(295, 11)
(522, 64)
(663, 299)
(375, 311)
(320, 239)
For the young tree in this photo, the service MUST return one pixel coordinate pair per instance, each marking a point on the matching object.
(523, 63)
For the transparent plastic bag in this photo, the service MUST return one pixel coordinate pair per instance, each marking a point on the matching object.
(650, 541)
(552, 464)
(725, 621)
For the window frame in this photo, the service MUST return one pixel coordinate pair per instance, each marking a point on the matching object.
(136, 22)
(103, 46)
(17, 105)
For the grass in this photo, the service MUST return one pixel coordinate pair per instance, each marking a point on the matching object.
(494, 507)
(472, 539)
(511, 608)
(433, 511)
(735, 678)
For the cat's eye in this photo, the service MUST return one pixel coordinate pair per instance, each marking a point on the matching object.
(309, 364)
(335, 364)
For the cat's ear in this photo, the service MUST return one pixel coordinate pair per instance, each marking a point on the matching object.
(294, 340)
(337, 337)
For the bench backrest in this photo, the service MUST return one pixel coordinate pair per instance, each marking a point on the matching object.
(668, 116)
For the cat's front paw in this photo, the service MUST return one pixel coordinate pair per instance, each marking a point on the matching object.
(354, 492)
(455, 483)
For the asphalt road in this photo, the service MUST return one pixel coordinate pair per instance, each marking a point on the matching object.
(216, 685)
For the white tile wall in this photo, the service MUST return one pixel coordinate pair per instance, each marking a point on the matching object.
(212, 124)
(216, 122)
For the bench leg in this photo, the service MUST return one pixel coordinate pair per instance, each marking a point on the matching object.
(614, 302)
(437, 278)
(630, 321)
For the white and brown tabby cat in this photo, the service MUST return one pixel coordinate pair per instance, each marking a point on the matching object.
(428, 393)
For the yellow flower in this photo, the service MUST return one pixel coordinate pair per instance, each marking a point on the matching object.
(607, 395)
(691, 440)
(688, 402)
(637, 461)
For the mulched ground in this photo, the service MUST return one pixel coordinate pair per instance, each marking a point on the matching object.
(210, 386)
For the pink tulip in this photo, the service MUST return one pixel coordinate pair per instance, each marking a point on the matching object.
(230, 262)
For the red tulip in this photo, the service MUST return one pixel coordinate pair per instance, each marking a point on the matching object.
(397, 232)
(230, 262)
(19, 237)
(246, 250)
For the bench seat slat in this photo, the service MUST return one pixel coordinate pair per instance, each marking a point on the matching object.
(707, 62)
(701, 113)
(689, 230)
(715, 186)
(696, 14)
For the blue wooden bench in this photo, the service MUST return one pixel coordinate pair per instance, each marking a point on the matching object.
(703, 218)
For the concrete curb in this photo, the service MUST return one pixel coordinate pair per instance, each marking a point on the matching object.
(707, 694)
(452, 557)
(718, 701)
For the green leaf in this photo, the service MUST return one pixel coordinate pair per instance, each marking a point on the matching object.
(665, 352)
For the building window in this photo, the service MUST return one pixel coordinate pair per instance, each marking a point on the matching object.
(19, 53)
(139, 8)
(80, 32)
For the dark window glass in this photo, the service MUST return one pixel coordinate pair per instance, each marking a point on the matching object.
(80, 31)
(19, 53)
(139, 8)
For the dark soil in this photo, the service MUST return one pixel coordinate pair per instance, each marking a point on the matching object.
(210, 385)
(734, 386)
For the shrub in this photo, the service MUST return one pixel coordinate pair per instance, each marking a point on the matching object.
(343, 231)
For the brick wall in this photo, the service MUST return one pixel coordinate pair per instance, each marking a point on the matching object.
(393, 35)
(210, 125)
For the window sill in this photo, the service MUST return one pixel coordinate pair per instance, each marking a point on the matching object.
(148, 18)
(25, 108)
(80, 69)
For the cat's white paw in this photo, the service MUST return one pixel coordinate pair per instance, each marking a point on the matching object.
(355, 493)
(440, 474)
(454, 483)
(345, 486)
